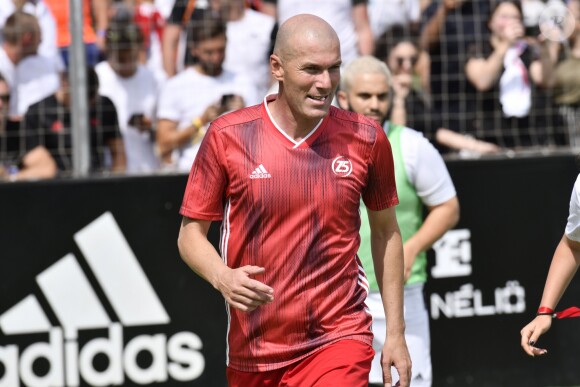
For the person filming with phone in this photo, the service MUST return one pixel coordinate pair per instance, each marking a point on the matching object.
(198, 95)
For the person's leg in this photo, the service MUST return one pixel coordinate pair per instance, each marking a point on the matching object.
(263, 379)
(345, 363)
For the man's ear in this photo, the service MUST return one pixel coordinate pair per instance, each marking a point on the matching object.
(276, 67)
(342, 99)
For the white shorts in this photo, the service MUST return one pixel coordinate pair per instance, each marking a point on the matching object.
(416, 334)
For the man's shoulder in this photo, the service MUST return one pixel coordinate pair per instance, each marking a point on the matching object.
(240, 118)
(46, 105)
(44, 113)
(103, 103)
(38, 63)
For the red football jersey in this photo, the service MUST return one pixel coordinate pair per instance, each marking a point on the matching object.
(293, 208)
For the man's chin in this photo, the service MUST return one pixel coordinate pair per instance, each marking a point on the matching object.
(213, 71)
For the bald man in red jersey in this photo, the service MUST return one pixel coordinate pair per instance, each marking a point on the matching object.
(286, 178)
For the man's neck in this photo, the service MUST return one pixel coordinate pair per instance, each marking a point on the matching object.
(200, 70)
(286, 120)
(235, 13)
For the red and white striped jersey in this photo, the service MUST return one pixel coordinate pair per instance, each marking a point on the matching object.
(293, 208)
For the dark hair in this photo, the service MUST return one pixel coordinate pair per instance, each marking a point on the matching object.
(123, 37)
(92, 81)
(207, 27)
(515, 3)
(18, 24)
(392, 38)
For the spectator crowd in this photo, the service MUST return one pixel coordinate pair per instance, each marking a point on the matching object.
(475, 77)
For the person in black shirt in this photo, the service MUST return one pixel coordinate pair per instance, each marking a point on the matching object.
(21, 156)
(50, 119)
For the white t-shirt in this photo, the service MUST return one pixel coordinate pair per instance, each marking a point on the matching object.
(573, 225)
(247, 50)
(188, 94)
(133, 95)
(382, 15)
(426, 169)
(7, 68)
(35, 78)
(337, 13)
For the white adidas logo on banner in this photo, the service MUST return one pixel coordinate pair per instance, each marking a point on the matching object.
(77, 307)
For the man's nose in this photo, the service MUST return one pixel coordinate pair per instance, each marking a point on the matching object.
(374, 102)
(323, 80)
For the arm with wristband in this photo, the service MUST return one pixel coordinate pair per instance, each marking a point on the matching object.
(564, 265)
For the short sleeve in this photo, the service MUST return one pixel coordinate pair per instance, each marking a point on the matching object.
(426, 169)
(381, 190)
(573, 225)
(205, 193)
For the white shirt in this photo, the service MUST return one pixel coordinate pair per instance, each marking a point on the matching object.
(188, 94)
(7, 68)
(247, 50)
(35, 78)
(133, 95)
(337, 13)
(426, 169)
(382, 15)
(573, 225)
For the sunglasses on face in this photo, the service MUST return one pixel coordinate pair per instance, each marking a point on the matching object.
(5, 98)
(402, 59)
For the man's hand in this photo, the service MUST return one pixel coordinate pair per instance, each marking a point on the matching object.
(532, 332)
(395, 353)
(243, 292)
(234, 103)
(402, 84)
(210, 113)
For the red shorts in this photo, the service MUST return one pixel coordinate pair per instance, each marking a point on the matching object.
(345, 363)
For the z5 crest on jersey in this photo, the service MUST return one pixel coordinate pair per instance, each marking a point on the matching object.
(341, 166)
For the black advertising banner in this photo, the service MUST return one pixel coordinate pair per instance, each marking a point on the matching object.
(487, 275)
(93, 292)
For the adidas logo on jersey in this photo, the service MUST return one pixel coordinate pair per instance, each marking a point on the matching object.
(260, 173)
(77, 306)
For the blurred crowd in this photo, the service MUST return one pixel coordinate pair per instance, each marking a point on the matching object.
(476, 77)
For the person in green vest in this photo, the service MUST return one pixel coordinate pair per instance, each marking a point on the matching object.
(422, 182)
